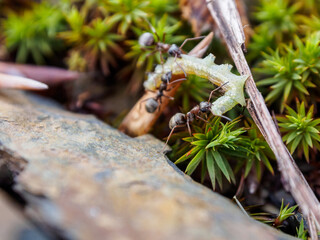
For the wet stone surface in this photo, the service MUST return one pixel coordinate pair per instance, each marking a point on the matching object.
(82, 179)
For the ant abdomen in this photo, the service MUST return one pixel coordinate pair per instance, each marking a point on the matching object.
(146, 39)
(151, 105)
(176, 120)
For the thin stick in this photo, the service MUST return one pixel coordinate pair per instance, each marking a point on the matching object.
(240, 206)
(190, 39)
(227, 19)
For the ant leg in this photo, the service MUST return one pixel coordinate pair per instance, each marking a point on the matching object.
(153, 91)
(216, 90)
(224, 117)
(191, 39)
(162, 61)
(175, 81)
(201, 118)
(175, 60)
(168, 138)
(171, 98)
(178, 80)
(159, 105)
(142, 102)
(151, 53)
(189, 129)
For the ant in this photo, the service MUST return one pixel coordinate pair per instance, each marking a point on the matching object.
(147, 40)
(152, 104)
(182, 120)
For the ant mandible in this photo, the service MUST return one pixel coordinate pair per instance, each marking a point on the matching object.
(152, 104)
(182, 120)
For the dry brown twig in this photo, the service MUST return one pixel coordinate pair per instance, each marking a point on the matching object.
(138, 121)
(227, 18)
(200, 19)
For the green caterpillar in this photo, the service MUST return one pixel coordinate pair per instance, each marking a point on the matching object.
(219, 75)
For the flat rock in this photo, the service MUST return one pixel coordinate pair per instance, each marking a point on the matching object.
(14, 225)
(85, 180)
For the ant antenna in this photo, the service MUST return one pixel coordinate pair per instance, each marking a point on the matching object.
(216, 90)
(184, 72)
(224, 117)
(190, 39)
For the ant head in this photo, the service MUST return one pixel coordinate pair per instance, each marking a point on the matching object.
(205, 107)
(146, 39)
(151, 105)
(174, 50)
(177, 119)
(166, 77)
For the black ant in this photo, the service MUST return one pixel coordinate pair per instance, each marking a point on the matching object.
(152, 104)
(182, 120)
(147, 40)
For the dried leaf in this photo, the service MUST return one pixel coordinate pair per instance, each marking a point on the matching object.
(197, 14)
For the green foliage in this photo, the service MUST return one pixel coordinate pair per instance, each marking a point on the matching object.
(293, 70)
(217, 143)
(95, 39)
(285, 81)
(146, 57)
(278, 21)
(301, 232)
(301, 131)
(308, 6)
(76, 62)
(195, 89)
(33, 32)
(277, 17)
(284, 213)
(310, 24)
(159, 7)
(212, 148)
(257, 151)
(260, 42)
(127, 13)
(308, 57)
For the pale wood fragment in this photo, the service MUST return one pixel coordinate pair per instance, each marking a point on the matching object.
(16, 82)
(45, 74)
